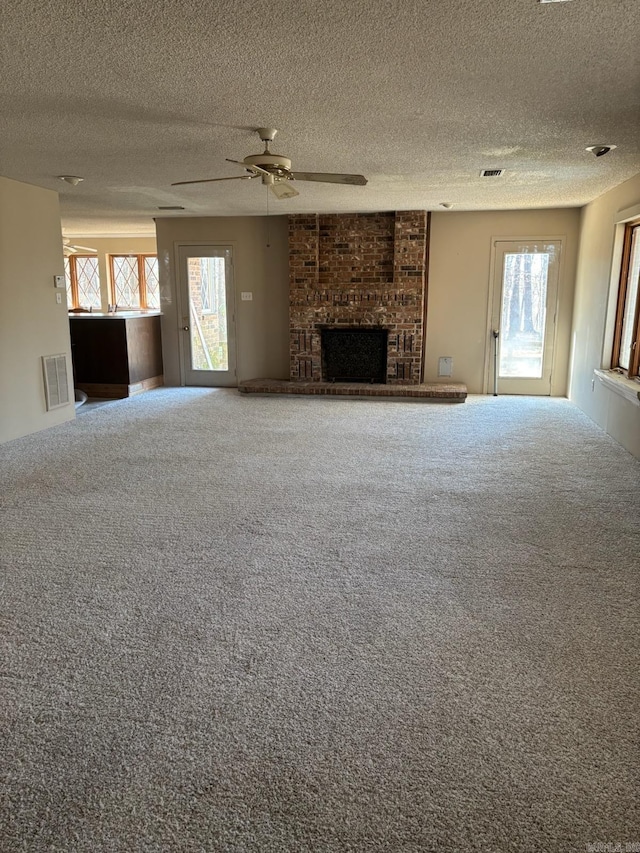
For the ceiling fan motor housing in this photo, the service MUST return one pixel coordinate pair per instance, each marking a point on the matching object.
(272, 163)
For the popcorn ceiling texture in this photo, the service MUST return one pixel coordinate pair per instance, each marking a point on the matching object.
(416, 96)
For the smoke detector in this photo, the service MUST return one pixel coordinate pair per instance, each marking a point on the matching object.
(74, 180)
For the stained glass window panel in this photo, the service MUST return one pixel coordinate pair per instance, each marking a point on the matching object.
(126, 281)
(88, 278)
(67, 278)
(153, 284)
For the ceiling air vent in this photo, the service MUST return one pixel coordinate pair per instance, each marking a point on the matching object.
(491, 173)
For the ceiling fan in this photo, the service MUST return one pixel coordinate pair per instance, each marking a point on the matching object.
(70, 249)
(275, 171)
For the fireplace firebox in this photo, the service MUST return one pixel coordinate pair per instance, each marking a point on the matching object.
(354, 355)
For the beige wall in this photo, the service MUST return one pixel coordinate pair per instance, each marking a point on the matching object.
(114, 246)
(459, 287)
(593, 317)
(262, 325)
(32, 324)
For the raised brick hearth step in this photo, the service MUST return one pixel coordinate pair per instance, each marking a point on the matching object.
(455, 391)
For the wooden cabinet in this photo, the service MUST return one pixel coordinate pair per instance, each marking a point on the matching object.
(116, 355)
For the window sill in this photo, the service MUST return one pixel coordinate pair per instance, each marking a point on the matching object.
(627, 388)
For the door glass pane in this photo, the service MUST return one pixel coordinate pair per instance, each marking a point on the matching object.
(208, 314)
(524, 299)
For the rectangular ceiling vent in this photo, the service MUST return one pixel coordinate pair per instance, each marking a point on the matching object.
(491, 173)
(56, 382)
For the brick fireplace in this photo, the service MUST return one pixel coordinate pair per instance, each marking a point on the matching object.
(355, 271)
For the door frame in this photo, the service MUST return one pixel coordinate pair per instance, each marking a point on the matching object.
(487, 387)
(183, 309)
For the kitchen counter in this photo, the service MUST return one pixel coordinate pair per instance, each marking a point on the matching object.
(127, 315)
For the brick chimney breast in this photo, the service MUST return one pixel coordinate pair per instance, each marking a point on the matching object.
(354, 270)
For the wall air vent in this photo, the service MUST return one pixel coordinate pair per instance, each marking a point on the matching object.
(56, 382)
(491, 173)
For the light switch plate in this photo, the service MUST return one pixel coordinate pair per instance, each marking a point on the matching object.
(246, 296)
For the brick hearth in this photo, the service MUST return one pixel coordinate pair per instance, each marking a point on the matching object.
(354, 270)
(450, 391)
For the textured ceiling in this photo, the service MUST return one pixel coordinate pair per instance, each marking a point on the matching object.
(418, 96)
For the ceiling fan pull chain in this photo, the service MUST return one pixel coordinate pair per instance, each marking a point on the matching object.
(268, 235)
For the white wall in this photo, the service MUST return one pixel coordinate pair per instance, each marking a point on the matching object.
(593, 315)
(32, 324)
(106, 246)
(262, 325)
(459, 287)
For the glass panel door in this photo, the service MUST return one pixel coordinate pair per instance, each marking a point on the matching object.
(524, 307)
(207, 328)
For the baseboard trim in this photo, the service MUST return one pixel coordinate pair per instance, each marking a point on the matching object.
(119, 391)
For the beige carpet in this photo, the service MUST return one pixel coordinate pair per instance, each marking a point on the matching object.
(270, 624)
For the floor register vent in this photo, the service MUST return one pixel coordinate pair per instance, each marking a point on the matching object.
(56, 381)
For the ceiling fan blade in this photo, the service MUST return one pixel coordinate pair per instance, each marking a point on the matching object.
(329, 178)
(212, 180)
(283, 189)
(257, 169)
(70, 248)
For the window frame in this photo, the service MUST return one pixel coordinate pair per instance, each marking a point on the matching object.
(73, 279)
(142, 280)
(633, 372)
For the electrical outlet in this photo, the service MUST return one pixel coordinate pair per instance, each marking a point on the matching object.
(246, 296)
(445, 365)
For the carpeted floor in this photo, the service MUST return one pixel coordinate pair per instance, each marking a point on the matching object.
(274, 624)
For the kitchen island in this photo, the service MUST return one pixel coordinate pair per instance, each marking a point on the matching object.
(116, 355)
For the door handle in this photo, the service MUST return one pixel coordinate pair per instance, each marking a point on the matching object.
(185, 328)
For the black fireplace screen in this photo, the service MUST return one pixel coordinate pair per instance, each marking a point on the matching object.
(354, 355)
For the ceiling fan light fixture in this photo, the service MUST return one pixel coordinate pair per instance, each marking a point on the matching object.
(283, 189)
(74, 180)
